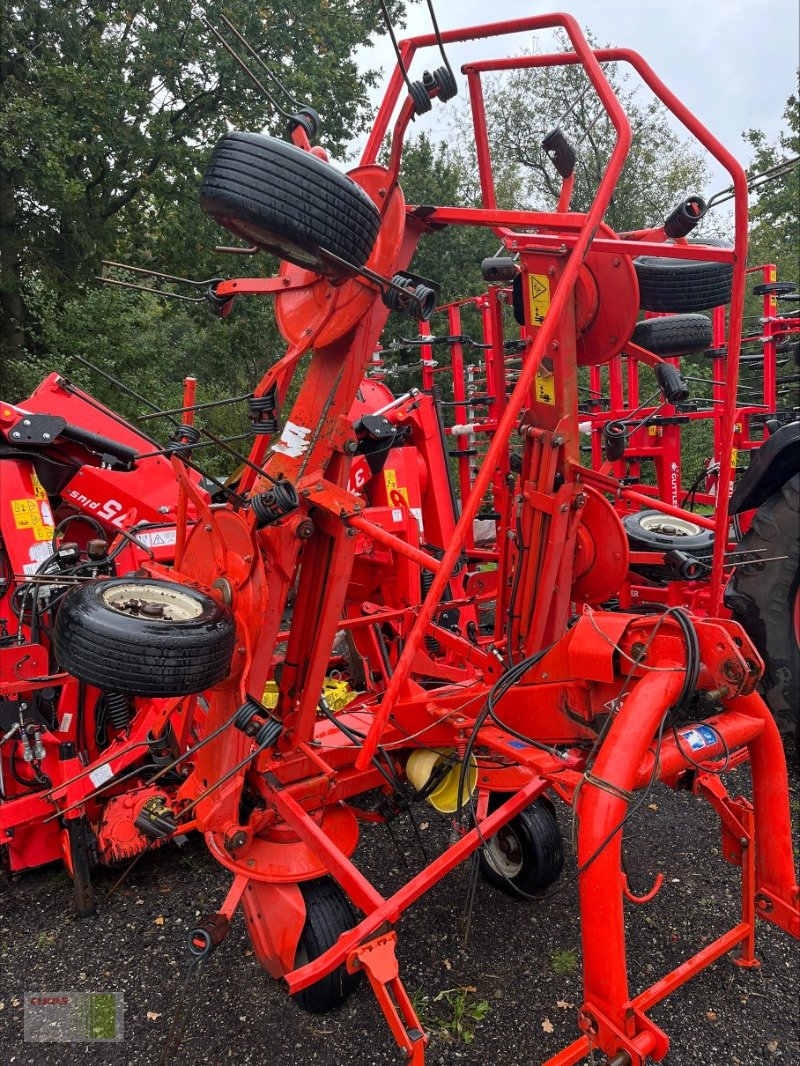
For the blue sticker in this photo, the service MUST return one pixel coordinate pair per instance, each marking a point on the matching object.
(702, 736)
(516, 744)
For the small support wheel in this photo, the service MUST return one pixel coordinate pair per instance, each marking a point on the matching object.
(328, 915)
(526, 855)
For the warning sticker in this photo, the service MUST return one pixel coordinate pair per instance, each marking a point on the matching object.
(34, 515)
(38, 488)
(158, 538)
(539, 292)
(702, 736)
(390, 479)
(545, 388)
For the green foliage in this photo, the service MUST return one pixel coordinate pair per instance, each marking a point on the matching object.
(775, 214)
(464, 1012)
(107, 113)
(564, 961)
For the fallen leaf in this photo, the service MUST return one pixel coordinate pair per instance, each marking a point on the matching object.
(711, 1015)
(547, 1025)
(772, 1046)
(152, 1016)
(652, 806)
(562, 1003)
(448, 964)
(159, 920)
(424, 825)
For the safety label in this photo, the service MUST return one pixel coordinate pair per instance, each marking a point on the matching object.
(539, 291)
(702, 736)
(34, 515)
(545, 388)
(157, 538)
(390, 479)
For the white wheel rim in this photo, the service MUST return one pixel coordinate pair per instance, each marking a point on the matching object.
(504, 852)
(151, 602)
(667, 526)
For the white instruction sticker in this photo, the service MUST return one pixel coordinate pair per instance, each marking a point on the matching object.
(102, 774)
(294, 440)
(158, 538)
(66, 722)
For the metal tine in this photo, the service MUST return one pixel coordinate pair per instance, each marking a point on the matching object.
(238, 59)
(251, 51)
(151, 290)
(158, 274)
(195, 407)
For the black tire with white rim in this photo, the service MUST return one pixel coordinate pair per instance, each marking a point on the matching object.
(143, 638)
(526, 855)
(328, 915)
(288, 202)
(654, 531)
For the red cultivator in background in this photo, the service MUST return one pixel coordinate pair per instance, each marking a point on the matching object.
(563, 697)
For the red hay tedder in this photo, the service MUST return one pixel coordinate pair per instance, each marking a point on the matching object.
(491, 679)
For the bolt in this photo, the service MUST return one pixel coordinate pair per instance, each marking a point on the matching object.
(381, 192)
(45, 436)
(616, 261)
(350, 532)
(26, 421)
(555, 346)
(551, 271)
(351, 446)
(207, 527)
(558, 440)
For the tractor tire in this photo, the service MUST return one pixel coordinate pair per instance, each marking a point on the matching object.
(652, 531)
(143, 638)
(765, 600)
(676, 335)
(288, 202)
(683, 285)
(328, 915)
(526, 855)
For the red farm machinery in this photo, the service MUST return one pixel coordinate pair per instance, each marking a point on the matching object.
(553, 660)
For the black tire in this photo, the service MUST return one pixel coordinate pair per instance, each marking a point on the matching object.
(683, 285)
(763, 598)
(288, 202)
(100, 637)
(677, 335)
(653, 531)
(525, 856)
(328, 915)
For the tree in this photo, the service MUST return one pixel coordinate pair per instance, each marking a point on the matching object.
(775, 215)
(107, 112)
(523, 106)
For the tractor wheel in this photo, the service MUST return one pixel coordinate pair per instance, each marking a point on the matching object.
(683, 285)
(143, 638)
(652, 531)
(525, 856)
(288, 202)
(765, 599)
(328, 915)
(676, 335)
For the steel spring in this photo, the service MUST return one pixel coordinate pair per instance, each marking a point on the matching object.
(182, 440)
(119, 709)
(264, 413)
(269, 507)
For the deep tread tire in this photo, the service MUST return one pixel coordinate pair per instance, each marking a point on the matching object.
(328, 915)
(541, 851)
(677, 335)
(138, 656)
(288, 201)
(762, 597)
(683, 285)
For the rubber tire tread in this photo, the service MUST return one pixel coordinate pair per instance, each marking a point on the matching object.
(762, 598)
(137, 657)
(645, 540)
(537, 828)
(328, 915)
(683, 285)
(276, 195)
(676, 335)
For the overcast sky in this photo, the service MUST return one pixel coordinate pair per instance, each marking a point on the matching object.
(732, 62)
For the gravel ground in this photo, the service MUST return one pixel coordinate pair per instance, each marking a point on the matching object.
(523, 961)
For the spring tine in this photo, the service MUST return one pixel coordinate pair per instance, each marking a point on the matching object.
(251, 51)
(157, 274)
(149, 289)
(238, 59)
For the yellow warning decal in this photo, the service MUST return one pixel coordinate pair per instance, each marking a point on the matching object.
(734, 458)
(545, 388)
(539, 290)
(38, 488)
(28, 515)
(390, 479)
(652, 431)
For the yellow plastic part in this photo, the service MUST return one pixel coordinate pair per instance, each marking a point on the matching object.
(421, 764)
